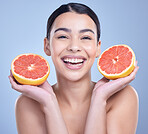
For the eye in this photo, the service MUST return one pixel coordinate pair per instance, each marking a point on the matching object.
(62, 37)
(86, 38)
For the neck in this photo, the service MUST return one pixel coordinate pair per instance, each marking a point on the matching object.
(74, 93)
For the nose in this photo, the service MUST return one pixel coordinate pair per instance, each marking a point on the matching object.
(74, 46)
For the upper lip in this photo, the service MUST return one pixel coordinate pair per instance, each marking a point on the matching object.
(73, 57)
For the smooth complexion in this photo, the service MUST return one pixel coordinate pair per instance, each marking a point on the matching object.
(74, 38)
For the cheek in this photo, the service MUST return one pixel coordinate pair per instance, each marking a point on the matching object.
(56, 48)
(91, 50)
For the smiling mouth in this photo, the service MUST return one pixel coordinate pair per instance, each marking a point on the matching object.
(73, 62)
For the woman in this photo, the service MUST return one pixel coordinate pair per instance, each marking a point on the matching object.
(75, 104)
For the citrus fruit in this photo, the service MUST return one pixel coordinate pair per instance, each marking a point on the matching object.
(116, 61)
(30, 69)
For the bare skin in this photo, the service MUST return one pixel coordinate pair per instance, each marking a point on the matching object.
(75, 104)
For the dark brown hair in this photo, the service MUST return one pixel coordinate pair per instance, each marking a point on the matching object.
(73, 7)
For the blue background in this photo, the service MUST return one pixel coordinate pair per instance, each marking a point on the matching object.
(23, 28)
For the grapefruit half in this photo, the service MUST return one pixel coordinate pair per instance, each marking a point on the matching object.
(116, 61)
(30, 69)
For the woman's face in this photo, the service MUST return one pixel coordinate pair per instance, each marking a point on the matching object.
(73, 45)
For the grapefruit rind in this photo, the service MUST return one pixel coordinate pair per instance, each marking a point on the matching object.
(28, 81)
(125, 72)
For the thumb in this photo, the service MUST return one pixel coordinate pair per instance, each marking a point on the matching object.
(46, 86)
(101, 82)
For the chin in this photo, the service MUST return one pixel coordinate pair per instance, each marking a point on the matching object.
(75, 76)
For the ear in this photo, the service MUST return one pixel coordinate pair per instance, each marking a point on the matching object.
(47, 47)
(98, 49)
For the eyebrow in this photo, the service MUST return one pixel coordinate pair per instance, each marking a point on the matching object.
(62, 29)
(86, 30)
(68, 30)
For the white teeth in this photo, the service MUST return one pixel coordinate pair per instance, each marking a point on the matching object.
(73, 60)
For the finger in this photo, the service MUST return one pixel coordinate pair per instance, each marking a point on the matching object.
(11, 73)
(32, 92)
(101, 82)
(27, 90)
(133, 74)
(136, 62)
(131, 77)
(15, 85)
(46, 86)
(36, 93)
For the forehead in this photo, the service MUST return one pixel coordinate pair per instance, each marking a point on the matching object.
(74, 21)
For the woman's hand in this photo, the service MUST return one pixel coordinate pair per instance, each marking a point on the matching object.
(98, 122)
(106, 88)
(49, 105)
(41, 93)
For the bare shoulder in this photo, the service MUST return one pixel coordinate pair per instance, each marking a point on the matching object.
(123, 113)
(127, 95)
(29, 114)
(24, 101)
(25, 104)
